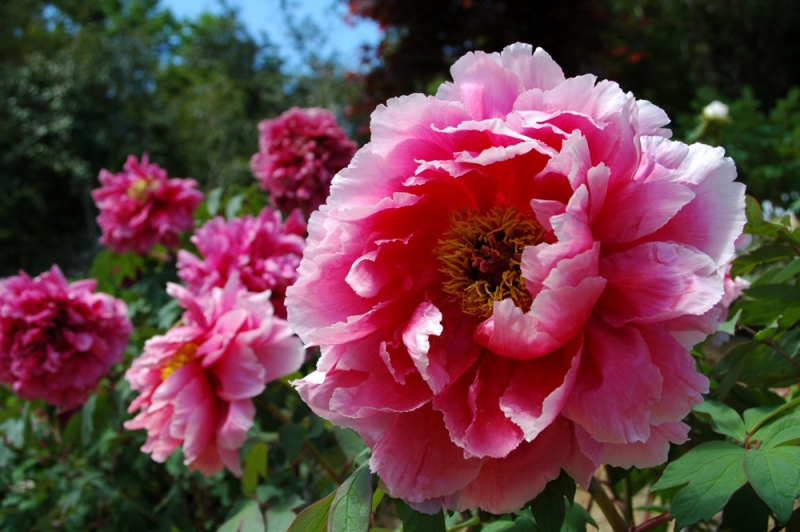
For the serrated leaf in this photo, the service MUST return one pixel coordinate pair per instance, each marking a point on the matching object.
(745, 512)
(713, 471)
(314, 518)
(783, 431)
(775, 475)
(255, 465)
(248, 519)
(724, 419)
(414, 521)
(352, 506)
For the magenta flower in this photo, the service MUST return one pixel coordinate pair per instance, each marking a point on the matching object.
(58, 339)
(140, 207)
(196, 382)
(262, 250)
(506, 280)
(299, 153)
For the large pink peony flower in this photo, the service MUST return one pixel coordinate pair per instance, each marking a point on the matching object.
(57, 339)
(140, 207)
(262, 250)
(196, 382)
(299, 153)
(506, 279)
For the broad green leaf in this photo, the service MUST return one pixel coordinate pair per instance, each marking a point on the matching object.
(255, 465)
(577, 517)
(784, 431)
(775, 475)
(351, 443)
(781, 292)
(213, 200)
(377, 497)
(724, 419)
(496, 526)
(314, 518)
(352, 506)
(233, 206)
(291, 439)
(756, 224)
(745, 512)
(730, 325)
(790, 271)
(755, 417)
(279, 519)
(713, 471)
(769, 253)
(248, 519)
(414, 521)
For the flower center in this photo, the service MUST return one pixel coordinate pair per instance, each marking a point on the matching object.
(184, 355)
(481, 256)
(139, 188)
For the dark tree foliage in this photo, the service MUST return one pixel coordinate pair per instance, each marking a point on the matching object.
(661, 50)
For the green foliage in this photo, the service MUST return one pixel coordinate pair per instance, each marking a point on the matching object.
(352, 506)
(414, 521)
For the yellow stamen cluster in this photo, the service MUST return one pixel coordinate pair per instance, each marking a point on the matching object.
(481, 256)
(139, 188)
(184, 355)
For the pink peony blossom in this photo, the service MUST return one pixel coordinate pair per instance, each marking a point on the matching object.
(299, 153)
(58, 339)
(196, 382)
(140, 207)
(506, 280)
(262, 250)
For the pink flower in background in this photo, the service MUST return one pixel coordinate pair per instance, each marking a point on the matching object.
(506, 280)
(299, 153)
(57, 339)
(262, 250)
(196, 382)
(140, 207)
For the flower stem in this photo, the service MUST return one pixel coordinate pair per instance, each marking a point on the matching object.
(607, 506)
(310, 447)
(650, 524)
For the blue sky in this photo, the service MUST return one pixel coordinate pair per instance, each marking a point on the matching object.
(265, 15)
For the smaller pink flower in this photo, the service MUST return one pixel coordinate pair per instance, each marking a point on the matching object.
(299, 153)
(140, 207)
(57, 340)
(262, 250)
(196, 382)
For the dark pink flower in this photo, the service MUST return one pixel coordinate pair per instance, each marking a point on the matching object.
(140, 207)
(299, 153)
(196, 382)
(58, 339)
(507, 279)
(262, 250)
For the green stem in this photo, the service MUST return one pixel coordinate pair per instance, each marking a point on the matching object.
(607, 506)
(310, 447)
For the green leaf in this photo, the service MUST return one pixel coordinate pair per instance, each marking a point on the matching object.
(496, 526)
(755, 417)
(784, 431)
(775, 475)
(377, 497)
(745, 512)
(213, 200)
(724, 419)
(87, 420)
(314, 518)
(279, 519)
(791, 270)
(291, 439)
(548, 507)
(713, 471)
(248, 519)
(769, 253)
(234, 206)
(352, 506)
(730, 325)
(756, 224)
(255, 465)
(351, 443)
(780, 292)
(577, 517)
(414, 521)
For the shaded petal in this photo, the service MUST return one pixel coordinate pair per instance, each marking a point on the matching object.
(651, 453)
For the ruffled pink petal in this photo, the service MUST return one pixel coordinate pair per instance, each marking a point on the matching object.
(649, 453)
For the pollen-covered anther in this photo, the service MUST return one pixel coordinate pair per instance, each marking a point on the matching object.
(481, 256)
(184, 355)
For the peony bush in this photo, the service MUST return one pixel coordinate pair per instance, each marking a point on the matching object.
(511, 275)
